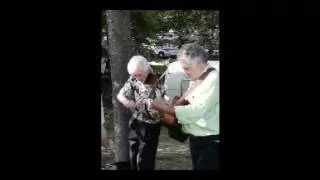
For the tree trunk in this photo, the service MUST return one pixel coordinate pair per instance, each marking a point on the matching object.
(120, 51)
(104, 133)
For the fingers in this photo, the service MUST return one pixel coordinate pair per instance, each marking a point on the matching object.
(157, 104)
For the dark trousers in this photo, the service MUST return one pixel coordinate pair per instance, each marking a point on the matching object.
(143, 144)
(205, 152)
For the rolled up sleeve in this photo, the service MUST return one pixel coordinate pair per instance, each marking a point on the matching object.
(190, 113)
(127, 90)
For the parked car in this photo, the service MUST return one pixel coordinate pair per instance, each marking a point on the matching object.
(166, 51)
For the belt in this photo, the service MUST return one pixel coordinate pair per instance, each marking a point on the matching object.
(214, 137)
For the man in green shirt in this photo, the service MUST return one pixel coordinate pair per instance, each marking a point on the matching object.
(200, 118)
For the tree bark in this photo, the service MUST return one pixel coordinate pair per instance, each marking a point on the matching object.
(104, 133)
(120, 51)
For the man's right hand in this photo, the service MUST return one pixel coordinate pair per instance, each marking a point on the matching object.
(131, 104)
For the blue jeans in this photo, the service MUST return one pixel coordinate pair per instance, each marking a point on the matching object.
(205, 152)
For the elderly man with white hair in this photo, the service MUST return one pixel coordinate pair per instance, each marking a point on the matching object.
(144, 126)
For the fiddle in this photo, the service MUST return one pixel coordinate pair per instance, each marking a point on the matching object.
(152, 82)
(151, 79)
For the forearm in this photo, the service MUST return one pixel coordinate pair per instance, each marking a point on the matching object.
(171, 111)
(166, 110)
(124, 101)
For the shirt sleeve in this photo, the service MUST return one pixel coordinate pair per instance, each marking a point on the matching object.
(128, 89)
(197, 109)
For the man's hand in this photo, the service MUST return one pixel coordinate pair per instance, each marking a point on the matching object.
(155, 113)
(131, 104)
(159, 105)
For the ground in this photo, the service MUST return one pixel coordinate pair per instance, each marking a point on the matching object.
(171, 154)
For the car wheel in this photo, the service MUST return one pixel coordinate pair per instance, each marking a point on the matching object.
(161, 55)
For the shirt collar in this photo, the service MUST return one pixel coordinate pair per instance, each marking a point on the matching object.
(205, 70)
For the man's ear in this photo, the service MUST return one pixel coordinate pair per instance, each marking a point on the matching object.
(198, 61)
(195, 62)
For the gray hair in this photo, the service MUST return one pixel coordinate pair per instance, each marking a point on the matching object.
(193, 51)
(138, 63)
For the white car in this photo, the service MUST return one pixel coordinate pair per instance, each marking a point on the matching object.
(166, 51)
(177, 82)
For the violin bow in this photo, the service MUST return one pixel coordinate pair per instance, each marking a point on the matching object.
(152, 92)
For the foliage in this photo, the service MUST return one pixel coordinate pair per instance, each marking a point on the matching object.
(104, 27)
(147, 24)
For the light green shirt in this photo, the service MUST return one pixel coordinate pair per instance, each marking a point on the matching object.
(201, 116)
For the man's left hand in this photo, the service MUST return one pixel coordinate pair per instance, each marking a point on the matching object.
(159, 105)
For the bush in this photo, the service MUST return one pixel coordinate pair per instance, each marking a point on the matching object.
(159, 69)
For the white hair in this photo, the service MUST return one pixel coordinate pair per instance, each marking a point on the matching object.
(138, 63)
(193, 52)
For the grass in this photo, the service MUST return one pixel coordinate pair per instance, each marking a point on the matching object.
(171, 154)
